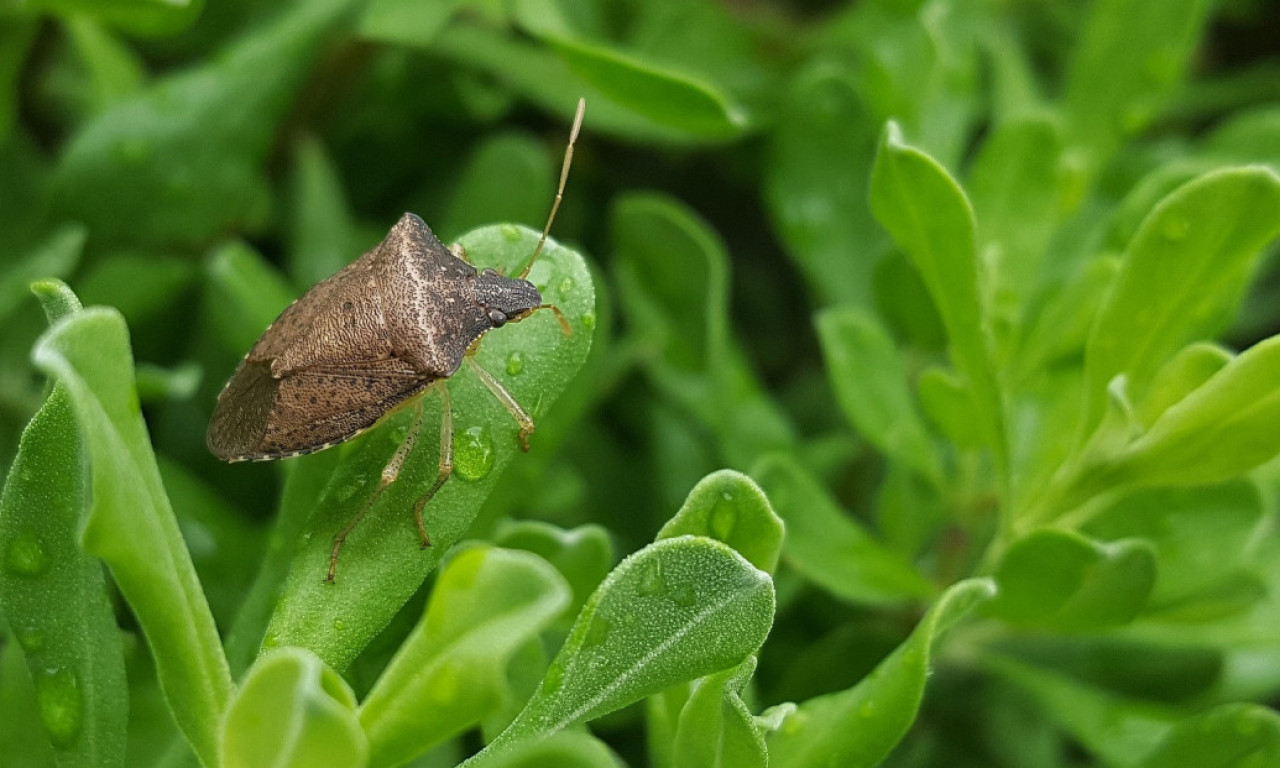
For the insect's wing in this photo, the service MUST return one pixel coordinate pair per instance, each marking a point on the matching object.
(259, 416)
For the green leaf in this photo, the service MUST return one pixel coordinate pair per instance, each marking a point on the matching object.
(677, 610)
(293, 712)
(115, 71)
(871, 385)
(244, 295)
(816, 184)
(582, 555)
(181, 162)
(1227, 736)
(1204, 540)
(407, 22)
(450, 672)
(322, 235)
(1186, 371)
(1120, 731)
(382, 563)
(16, 39)
(930, 219)
(729, 507)
(22, 735)
(946, 401)
(54, 597)
(715, 729)
(509, 178)
(56, 257)
(830, 548)
(1189, 255)
(567, 749)
(673, 282)
(1131, 56)
(669, 96)
(1014, 185)
(131, 525)
(861, 725)
(1060, 579)
(139, 17)
(1228, 425)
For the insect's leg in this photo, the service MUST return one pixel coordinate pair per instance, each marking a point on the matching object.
(521, 416)
(446, 461)
(389, 474)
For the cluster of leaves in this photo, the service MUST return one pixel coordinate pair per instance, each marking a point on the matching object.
(938, 281)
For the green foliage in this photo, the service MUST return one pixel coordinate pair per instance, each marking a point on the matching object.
(982, 295)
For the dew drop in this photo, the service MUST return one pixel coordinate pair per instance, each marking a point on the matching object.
(565, 286)
(30, 638)
(554, 678)
(25, 555)
(271, 640)
(339, 624)
(511, 232)
(473, 455)
(589, 320)
(60, 703)
(652, 582)
(515, 364)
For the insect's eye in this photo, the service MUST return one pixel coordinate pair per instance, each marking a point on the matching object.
(489, 272)
(497, 317)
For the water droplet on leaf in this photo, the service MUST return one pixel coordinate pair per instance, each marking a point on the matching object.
(511, 232)
(588, 320)
(597, 633)
(652, 582)
(26, 555)
(515, 364)
(30, 638)
(566, 285)
(473, 455)
(724, 517)
(684, 596)
(61, 706)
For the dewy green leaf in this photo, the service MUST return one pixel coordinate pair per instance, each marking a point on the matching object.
(729, 507)
(451, 671)
(858, 727)
(1227, 736)
(676, 610)
(195, 140)
(131, 525)
(930, 219)
(816, 184)
(54, 597)
(871, 385)
(382, 563)
(1062, 580)
(716, 730)
(293, 712)
(1182, 265)
(830, 548)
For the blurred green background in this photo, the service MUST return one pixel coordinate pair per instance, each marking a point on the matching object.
(186, 162)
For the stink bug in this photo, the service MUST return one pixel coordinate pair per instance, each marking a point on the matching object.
(376, 336)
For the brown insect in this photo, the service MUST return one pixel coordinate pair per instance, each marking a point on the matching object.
(391, 326)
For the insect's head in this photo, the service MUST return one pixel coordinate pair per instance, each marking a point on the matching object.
(510, 299)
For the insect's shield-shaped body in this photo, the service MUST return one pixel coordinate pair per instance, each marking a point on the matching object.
(359, 343)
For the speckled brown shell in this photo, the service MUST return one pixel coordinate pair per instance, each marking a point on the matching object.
(351, 349)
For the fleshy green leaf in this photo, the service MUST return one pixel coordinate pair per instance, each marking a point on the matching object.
(829, 547)
(408, 22)
(1060, 579)
(54, 258)
(715, 729)
(322, 237)
(450, 672)
(677, 610)
(293, 712)
(382, 563)
(729, 507)
(141, 17)
(930, 219)
(131, 525)
(509, 178)
(1180, 269)
(944, 399)
(567, 749)
(583, 555)
(871, 385)
(115, 71)
(245, 293)
(859, 726)
(54, 597)
(181, 162)
(1191, 367)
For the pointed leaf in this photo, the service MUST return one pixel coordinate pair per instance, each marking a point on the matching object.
(729, 507)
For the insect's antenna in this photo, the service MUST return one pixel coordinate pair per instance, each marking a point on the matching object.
(564, 176)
